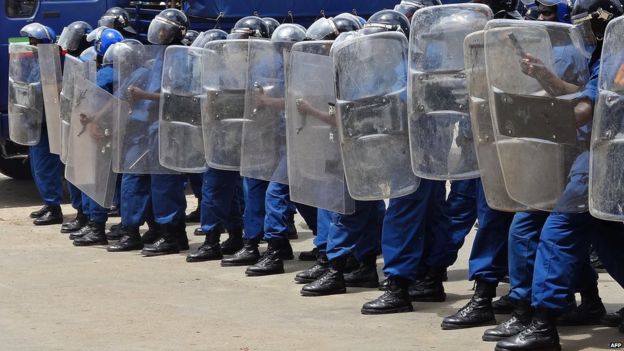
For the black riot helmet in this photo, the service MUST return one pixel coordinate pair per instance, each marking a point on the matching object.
(168, 27)
(387, 21)
(502, 8)
(249, 27)
(288, 32)
(594, 15)
(116, 18)
(409, 7)
(190, 37)
(74, 37)
(208, 36)
(330, 28)
(271, 23)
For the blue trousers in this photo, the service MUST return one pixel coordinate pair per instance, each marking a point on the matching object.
(160, 194)
(196, 180)
(253, 216)
(608, 240)
(47, 170)
(524, 237)
(221, 204)
(404, 237)
(358, 233)
(465, 204)
(279, 209)
(78, 202)
(97, 213)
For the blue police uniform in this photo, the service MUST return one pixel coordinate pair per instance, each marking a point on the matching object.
(222, 203)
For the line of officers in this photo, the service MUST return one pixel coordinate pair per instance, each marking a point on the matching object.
(274, 119)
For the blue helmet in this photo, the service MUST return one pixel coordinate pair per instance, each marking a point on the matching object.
(107, 38)
(43, 34)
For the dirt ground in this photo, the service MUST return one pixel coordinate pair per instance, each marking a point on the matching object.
(54, 296)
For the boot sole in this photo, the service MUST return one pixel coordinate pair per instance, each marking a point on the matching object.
(362, 285)
(388, 311)
(324, 293)
(48, 223)
(492, 338)
(99, 243)
(237, 264)
(259, 274)
(135, 248)
(191, 260)
(448, 326)
(152, 254)
(547, 348)
(67, 231)
(428, 299)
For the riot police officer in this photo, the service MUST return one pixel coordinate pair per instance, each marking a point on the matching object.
(119, 19)
(45, 166)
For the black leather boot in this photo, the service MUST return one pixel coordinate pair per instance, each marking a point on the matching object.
(116, 232)
(395, 300)
(233, 243)
(313, 273)
(166, 245)
(504, 305)
(198, 232)
(114, 211)
(330, 283)
(311, 255)
(520, 320)
(75, 224)
(365, 276)
(38, 213)
(613, 319)
(153, 233)
(246, 256)
(131, 240)
(384, 285)
(286, 253)
(179, 231)
(96, 236)
(270, 262)
(429, 289)
(477, 312)
(589, 312)
(52, 215)
(541, 334)
(81, 232)
(210, 250)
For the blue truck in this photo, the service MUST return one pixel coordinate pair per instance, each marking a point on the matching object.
(203, 14)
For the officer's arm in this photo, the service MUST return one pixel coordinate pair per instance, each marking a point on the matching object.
(583, 111)
(555, 86)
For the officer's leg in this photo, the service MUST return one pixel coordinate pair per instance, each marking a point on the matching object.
(169, 206)
(487, 265)
(461, 211)
(219, 190)
(560, 253)
(96, 233)
(402, 243)
(196, 181)
(344, 235)
(75, 196)
(428, 287)
(309, 216)
(323, 224)
(135, 194)
(275, 228)
(609, 243)
(47, 173)
(524, 236)
(253, 217)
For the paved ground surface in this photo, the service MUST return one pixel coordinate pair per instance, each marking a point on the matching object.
(54, 296)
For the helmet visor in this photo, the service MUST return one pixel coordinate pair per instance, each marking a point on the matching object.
(161, 31)
(107, 21)
(70, 39)
(322, 29)
(95, 34)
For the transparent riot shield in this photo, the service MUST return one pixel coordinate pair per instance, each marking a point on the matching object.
(263, 144)
(544, 157)
(136, 128)
(25, 95)
(91, 141)
(73, 69)
(181, 140)
(51, 80)
(315, 168)
(439, 122)
(606, 187)
(372, 115)
(224, 78)
(482, 129)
